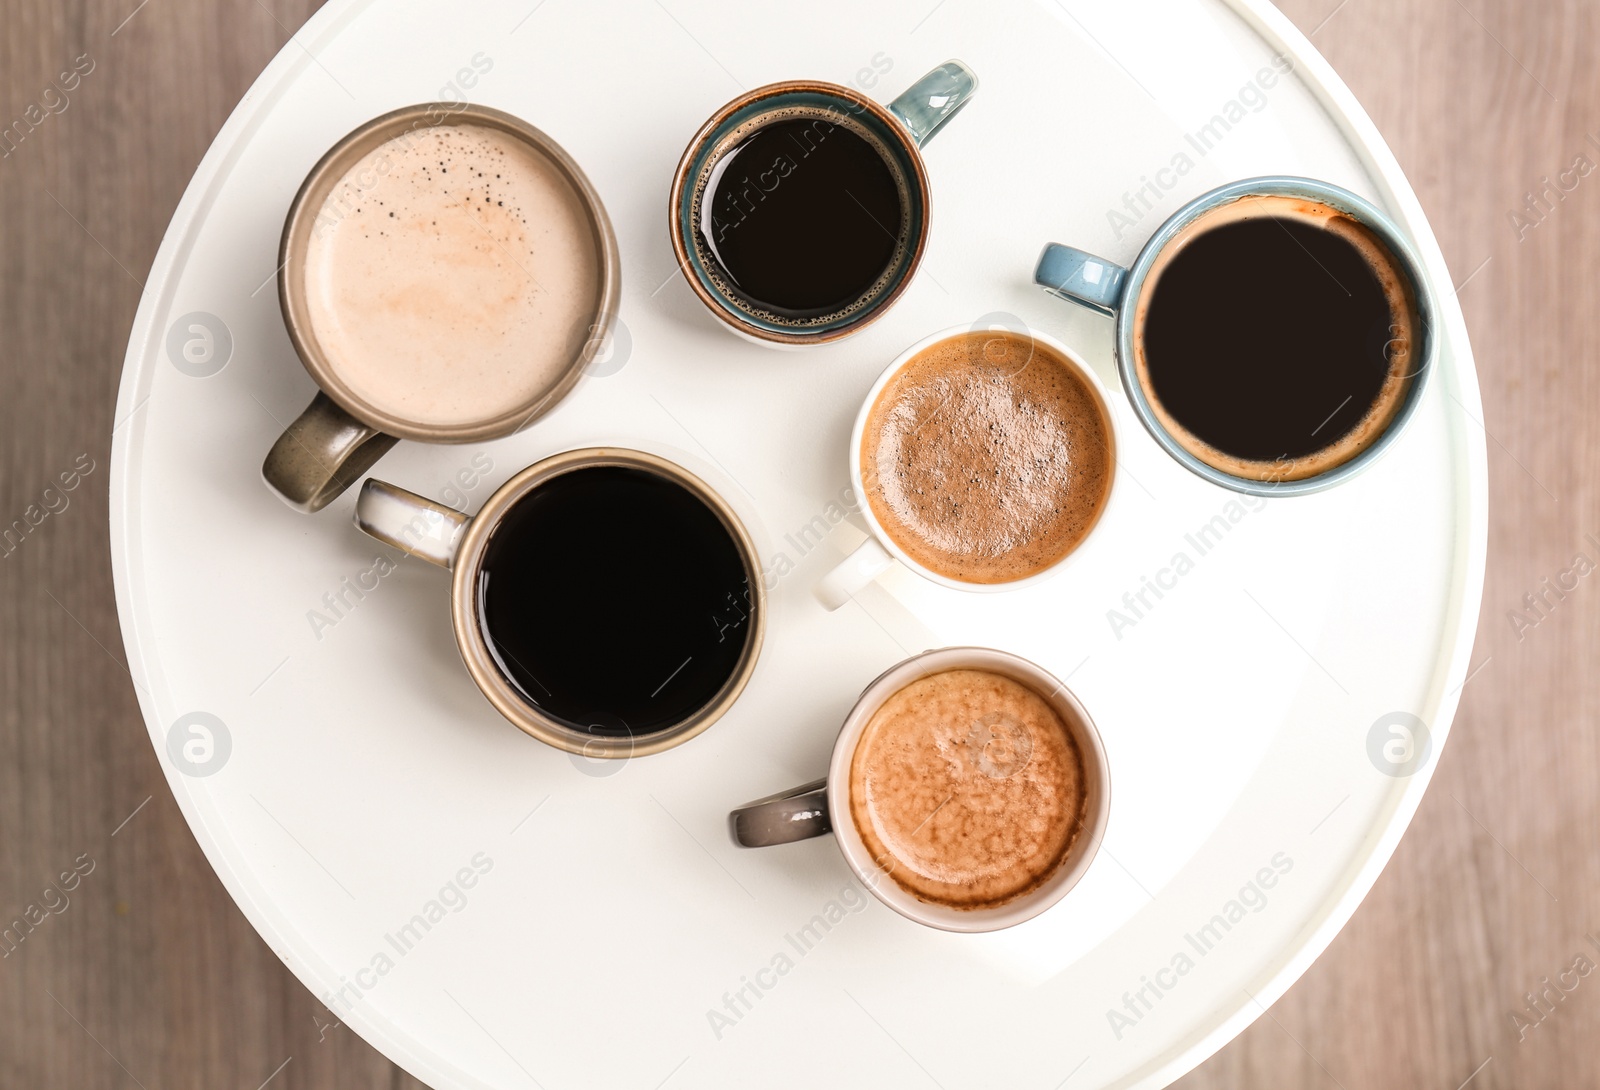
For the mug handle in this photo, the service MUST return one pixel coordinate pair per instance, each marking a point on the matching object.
(934, 99)
(797, 814)
(1080, 277)
(412, 523)
(855, 571)
(321, 454)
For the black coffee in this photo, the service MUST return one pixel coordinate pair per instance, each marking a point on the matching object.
(1278, 338)
(803, 216)
(615, 600)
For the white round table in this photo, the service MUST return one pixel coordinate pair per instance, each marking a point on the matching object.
(490, 912)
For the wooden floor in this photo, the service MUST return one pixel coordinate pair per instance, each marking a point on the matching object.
(151, 978)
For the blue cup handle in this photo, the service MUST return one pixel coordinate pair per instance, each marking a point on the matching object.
(934, 99)
(1081, 278)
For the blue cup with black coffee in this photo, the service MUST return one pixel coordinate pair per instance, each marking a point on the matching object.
(1274, 335)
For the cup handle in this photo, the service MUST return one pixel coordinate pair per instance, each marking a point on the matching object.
(321, 454)
(855, 571)
(934, 99)
(410, 522)
(1082, 278)
(797, 814)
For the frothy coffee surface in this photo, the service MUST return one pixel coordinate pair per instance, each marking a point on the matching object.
(967, 788)
(452, 275)
(987, 458)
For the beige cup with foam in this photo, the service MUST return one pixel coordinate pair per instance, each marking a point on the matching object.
(986, 748)
(446, 274)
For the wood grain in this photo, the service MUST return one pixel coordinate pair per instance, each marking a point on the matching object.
(150, 977)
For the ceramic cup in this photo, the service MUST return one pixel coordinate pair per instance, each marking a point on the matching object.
(879, 552)
(817, 808)
(902, 127)
(451, 540)
(1108, 288)
(341, 435)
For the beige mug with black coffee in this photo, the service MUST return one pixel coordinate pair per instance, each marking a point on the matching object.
(981, 459)
(446, 274)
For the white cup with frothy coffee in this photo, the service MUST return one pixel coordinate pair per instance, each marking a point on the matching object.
(981, 459)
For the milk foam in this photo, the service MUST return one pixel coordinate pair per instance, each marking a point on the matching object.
(452, 275)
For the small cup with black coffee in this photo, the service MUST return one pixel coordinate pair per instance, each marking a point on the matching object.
(1274, 335)
(799, 211)
(607, 601)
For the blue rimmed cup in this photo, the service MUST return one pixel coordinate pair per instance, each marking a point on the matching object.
(897, 132)
(1123, 294)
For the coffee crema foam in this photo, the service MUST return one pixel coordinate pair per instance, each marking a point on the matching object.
(1403, 345)
(452, 276)
(968, 789)
(987, 458)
